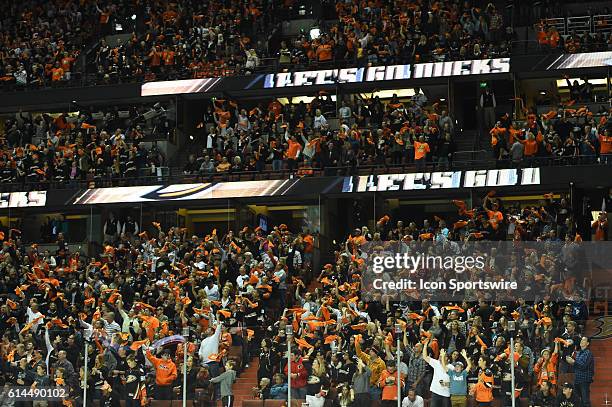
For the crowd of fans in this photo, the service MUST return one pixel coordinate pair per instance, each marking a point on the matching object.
(325, 135)
(300, 137)
(211, 44)
(550, 39)
(192, 40)
(86, 145)
(42, 42)
(572, 134)
(133, 301)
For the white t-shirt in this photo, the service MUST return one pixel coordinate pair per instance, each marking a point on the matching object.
(315, 401)
(439, 374)
(212, 293)
(418, 402)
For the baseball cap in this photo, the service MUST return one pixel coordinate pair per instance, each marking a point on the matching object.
(568, 385)
(458, 364)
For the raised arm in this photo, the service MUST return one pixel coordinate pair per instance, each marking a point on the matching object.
(426, 357)
(360, 354)
(468, 361)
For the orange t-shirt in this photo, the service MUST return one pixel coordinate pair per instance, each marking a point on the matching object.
(57, 74)
(168, 57)
(531, 147)
(483, 392)
(496, 215)
(420, 150)
(548, 372)
(293, 149)
(67, 63)
(605, 144)
(553, 40)
(389, 391)
(324, 52)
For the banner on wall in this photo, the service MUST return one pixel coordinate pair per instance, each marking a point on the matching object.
(304, 186)
(185, 192)
(441, 180)
(23, 199)
(320, 77)
(582, 60)
(444, 183)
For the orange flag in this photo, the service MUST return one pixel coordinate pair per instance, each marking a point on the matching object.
(330, 338)
(137, 344)
(303, 344)
(454, 308)
(481, 342)
(225, 313)
(29, 325)
(416, 317)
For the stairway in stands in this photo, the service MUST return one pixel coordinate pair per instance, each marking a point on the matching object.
(181, 157)
(472, 149)
(600, 330)
(243, 387)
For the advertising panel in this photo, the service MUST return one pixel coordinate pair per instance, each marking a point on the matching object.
(23, 199)
(184, 192)
(442, 180)
(295, 79)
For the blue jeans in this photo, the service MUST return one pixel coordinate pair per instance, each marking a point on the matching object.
(277, 165)
(375, 393)
(584, 391)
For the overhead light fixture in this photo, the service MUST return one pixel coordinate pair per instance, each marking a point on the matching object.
(442, 99)
(542, 92)
(190, 137)
(388, 94)
(133, 16)
(297, 99)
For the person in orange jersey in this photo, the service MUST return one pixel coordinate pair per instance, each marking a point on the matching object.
(165, 374)
(421, 148)
(388, 384)
(546, 367)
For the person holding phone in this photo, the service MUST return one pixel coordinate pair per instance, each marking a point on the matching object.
(440, 384)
